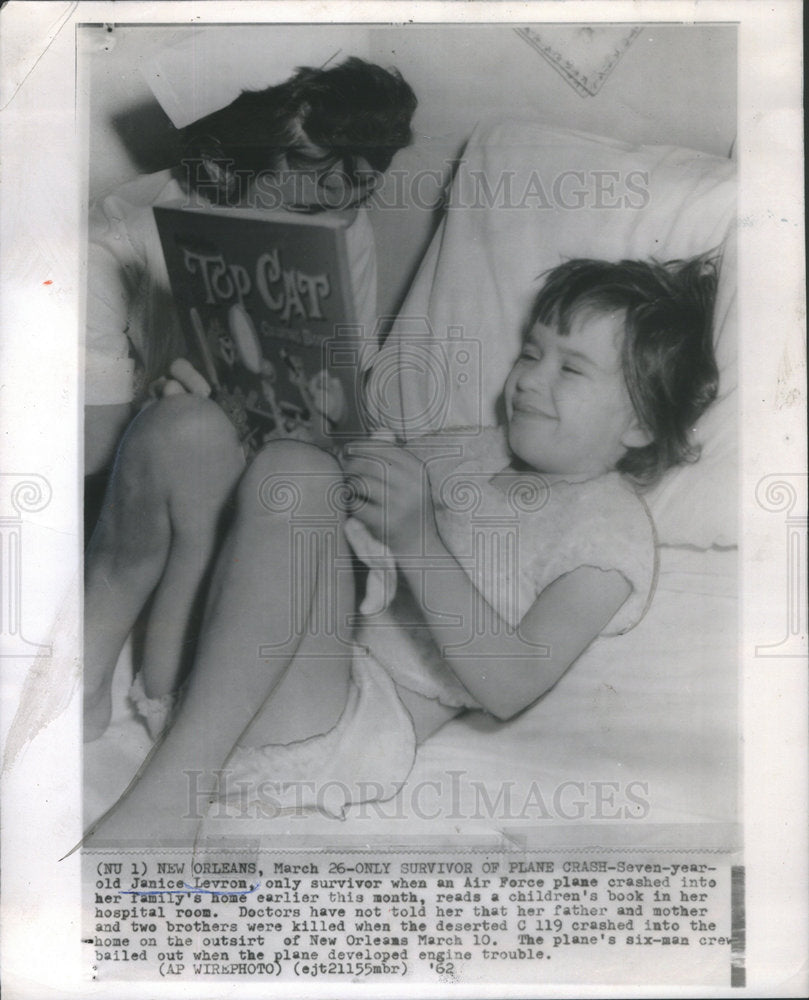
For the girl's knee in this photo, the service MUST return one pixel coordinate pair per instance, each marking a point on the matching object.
(290, 455)
(177, 427)
(293, 478)
(179, 460)
(180, 444)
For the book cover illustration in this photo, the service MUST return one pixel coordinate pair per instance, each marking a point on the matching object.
(266, 308)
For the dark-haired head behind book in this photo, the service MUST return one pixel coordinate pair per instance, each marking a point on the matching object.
(315, 145)
(264, 292)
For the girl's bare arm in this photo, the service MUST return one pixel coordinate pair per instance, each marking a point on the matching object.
(505, 669)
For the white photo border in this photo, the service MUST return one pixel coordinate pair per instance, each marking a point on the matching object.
(40, 412)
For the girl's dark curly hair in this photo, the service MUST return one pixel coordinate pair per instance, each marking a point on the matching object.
(667, 353)
(355, 109)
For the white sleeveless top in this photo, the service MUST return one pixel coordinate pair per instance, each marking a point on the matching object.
(513, 545)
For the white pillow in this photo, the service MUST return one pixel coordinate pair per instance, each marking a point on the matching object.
(526, 197)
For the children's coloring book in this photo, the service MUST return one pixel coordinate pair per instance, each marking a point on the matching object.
(267, 310)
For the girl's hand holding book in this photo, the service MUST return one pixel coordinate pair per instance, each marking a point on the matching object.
(392, 495)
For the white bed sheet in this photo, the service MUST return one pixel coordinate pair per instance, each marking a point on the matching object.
(653, 711)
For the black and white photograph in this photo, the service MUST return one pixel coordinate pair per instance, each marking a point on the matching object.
(403, 521)
(478, 229)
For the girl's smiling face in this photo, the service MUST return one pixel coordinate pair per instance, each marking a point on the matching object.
(567, 405)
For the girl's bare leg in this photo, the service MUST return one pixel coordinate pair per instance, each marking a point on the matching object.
(176, 467)
(274, 598)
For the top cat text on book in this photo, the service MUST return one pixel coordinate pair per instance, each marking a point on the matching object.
(287, 291)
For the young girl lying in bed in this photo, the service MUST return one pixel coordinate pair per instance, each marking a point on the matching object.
(288, 705)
